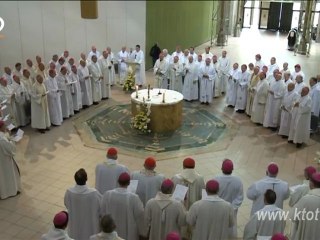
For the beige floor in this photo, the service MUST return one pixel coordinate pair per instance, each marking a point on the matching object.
(48, 161)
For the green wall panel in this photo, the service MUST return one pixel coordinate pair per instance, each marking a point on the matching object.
(187, 23)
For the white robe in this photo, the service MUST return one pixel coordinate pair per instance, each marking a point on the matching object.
(176, 76)
(217, 80)
(85, 84)
(231, 190)
(140, 68)
(315, 99)
(265, 227)
(211, 218)
(300, 122)
(54, 101)
(65, 89)
(271, 68)
(83, 204)
(107, 174)
(305, 228)
(294, 74)
(259, 101)
(105, 67)
(223, 70)
(257, 190)
(207, 55)
(8, 77)
(298, 87)
(33, 73)
(9, 171)
(91, 53)
(95, 72)
(286, 111)
(195, 183)
(112, 73)
(161, 73)
(259, 64)
(149, 183)
(76, 91)
(6, 93)
(242, 90)
(299, 192)
(164, 215)
(272, 114)
(40, 118)
(56, 234)
(234, 76)
(190, 87)
(126, 210)
(206, 83)
(252, 86)
(122, 58)
(106, 236)
(20, 101)
(180, 55)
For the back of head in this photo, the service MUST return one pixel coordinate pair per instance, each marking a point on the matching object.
(227, 166)
(167, 186)
(308, 171)
(124, 179)
(272, 170)
(60, 220)
(173, 236)
(315, 180)
(189, 163)
(81, 177)
(212, 187)
(279, 236)
(107, 224)
(112, 153)
(150, 163)
(270, 197)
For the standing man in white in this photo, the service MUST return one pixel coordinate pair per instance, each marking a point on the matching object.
(140, 68)
(122, 58)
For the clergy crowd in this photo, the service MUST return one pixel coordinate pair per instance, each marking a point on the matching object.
(157, 208)
(47, 94)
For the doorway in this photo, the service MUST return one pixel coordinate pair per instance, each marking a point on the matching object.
(278, 16)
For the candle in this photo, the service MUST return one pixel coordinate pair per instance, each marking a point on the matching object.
(148, 91)
(163, 97)
(137, 91)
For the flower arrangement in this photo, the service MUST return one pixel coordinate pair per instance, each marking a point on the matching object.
(317, 159)
(129, 83)
(142, 119)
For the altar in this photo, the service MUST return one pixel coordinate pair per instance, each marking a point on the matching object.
(165, 116)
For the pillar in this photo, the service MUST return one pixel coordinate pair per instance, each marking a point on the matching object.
(238, 24)
(221, 36)
(305, 37)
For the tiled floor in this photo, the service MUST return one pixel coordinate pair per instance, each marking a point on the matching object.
(48, 161)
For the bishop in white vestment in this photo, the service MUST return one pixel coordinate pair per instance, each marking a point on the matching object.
(9, 171)
(176, 72)
(96, 76)
(242, 89)
(190, 86)
(75, 88)
(223, 70)
(65, 89)
(289, 99)
(20, 100)
(161, 72)
(112, 74)
(85, 84)
(83, 204)
(54, 101)
(123, 56)
(207, 79)
(234, 75)
(105, 66)
(260, 100)
(140, 67)
(252, 86)
(125, 208)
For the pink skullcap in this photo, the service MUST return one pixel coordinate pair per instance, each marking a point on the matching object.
(112, 151)
(310, 170)
(273, 168)
(2, 123)
(124, 177)
(278, 236)
(316, 177)
(189, 162)
(212, 186)
(150, 162)
(60, 219)
(173, 236)
(227, 165)
(167, 183)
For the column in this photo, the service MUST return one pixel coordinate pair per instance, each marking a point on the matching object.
(305, 37)
(238, 24)
(221, 35)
